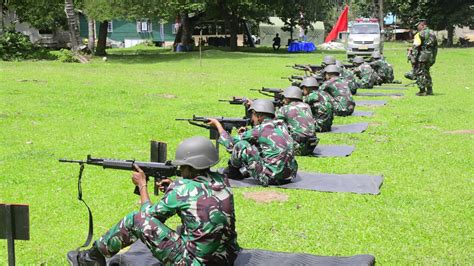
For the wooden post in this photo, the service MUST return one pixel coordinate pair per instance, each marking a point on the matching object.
(9, 234)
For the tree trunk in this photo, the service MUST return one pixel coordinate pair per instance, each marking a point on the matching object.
(1, 16)
(102, 38)
(450, 29)
(73, 25)
(234, 26)
(187, 31)
(91, 40)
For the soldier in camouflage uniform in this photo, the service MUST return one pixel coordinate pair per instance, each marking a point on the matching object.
(338, 88)
(265, 152)
(366, 75)
(201, 199)
(349, 76)
(298, 117)
(423, 56)
(321, 103)
(383, 69)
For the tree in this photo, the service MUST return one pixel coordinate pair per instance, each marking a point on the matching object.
(441, 14)
(73, 25)
(45, 16)
(302, 12)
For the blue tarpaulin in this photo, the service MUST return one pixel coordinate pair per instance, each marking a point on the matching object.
(301, 47)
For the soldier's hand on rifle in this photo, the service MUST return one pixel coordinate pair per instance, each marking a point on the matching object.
(215, 123)
(241, 130)
(164, 184)
(138, 176)
(248, 102)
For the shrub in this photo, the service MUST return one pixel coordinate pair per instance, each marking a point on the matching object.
(15, 46)
(66, 56)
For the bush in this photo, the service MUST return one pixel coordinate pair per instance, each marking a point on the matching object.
(66, 56)
(15, 46)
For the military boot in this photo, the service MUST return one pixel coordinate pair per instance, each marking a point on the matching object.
(429, 91)
(89, 257)
(421, 93)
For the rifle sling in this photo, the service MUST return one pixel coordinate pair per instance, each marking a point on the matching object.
(79, 197)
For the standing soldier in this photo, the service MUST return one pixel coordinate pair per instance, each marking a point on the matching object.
(298, 117)
(265, 152)
(207, 235)
(338, 88)
(423, 56)
(321, 103)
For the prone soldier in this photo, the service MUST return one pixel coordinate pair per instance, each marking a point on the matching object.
(383, 69)
(349, 76)
(207, 235)
(365, 73)
(265, 152)
(338, 88)
(298, 117)
(321, 103)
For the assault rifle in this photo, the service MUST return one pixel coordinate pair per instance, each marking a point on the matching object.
(227, 123)
(314, 68)
(271, 92)
(156, 170)
(243, 101)
(159, 168)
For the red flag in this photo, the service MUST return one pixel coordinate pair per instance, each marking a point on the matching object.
(341, 25)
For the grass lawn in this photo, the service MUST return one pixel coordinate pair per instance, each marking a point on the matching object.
(51, 110)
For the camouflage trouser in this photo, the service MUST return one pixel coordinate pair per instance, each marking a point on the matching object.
(165, 244)
(344, 108)
(423, 77)
(305, 146)
(246, 155)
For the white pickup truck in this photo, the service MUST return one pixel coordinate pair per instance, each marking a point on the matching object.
(364, 37)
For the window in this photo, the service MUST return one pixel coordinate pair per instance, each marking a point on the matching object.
(144, 25)
(110, 27)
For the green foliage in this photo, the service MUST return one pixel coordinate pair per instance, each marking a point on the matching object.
(440, 13)
(289, 12)
(44, 15)
(66, 56)
(423, 216)
(15, 46)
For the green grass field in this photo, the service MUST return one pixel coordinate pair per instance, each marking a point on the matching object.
(50, 110)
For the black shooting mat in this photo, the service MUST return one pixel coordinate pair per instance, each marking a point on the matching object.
(139, 255)
(386, 88)
(371, 102)
(362, 113)
(355, 183)
(348, 128)
(333, 150)
(376, 94)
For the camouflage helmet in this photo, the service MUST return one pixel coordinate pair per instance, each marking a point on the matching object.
(263, 106)
(197, 152)
(331, 69)
(376, 55)
(358, 60)
(309, 82)
(293, 92)
(329, 60)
